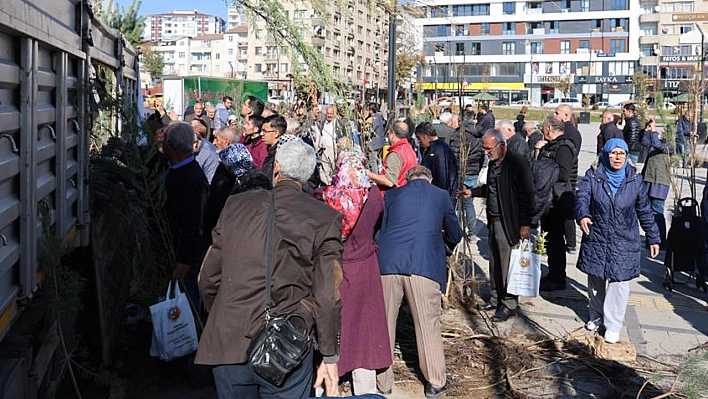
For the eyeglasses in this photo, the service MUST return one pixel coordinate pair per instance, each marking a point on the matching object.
(489, 150)
(618, 154)
(268, 131)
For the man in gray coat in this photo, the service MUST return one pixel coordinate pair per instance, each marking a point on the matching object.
(305, 280)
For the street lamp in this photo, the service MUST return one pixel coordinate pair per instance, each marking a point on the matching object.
(527, 44)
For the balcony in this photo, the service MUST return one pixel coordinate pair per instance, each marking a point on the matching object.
(649, 18)
(652, 39)
(534, 11)
(270, 56)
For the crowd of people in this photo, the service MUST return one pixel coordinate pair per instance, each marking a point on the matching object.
(365, 215)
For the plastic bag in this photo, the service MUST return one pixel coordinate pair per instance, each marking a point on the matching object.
(524, 276)
(483, 173)
(173, 331)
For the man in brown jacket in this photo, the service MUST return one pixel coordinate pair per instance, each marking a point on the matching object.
(305, 280)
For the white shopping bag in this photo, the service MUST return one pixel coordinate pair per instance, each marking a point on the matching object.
(483, 173)
(524, 276)
(173, 331)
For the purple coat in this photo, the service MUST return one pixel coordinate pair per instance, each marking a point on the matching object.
(364, 342)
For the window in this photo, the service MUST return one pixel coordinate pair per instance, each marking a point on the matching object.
(685, 7)
(565, 4)
(440, 30)
(649, 29)
(484, 30)
(439, 12)
(618, 24)
(668, 7)
(257, 67)
(565, 47)
(467, 10)
(650, 70)
(617, 46)
(596, 25)
(509, 28)
(620, 68)
(684, 28)
(284, 67)
(231, 39)
(508, 48)
(217, 56)
(670, 50)
(530, 26)
(259, 50)
(553, 27)
(619, 5)
(509, 8)
(507, 69)
(230, 51)
(181, 54)
(536, 47)
(584, 5)
(476, 48)
(300, 14)
(460, 30)
(584, 44)
(686, 50)
(459, 49)
(647, 51)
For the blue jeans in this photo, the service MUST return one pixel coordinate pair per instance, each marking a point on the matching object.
(471, 216)
(657, 208)
(238, 381)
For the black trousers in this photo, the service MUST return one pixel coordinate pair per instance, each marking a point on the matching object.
(570, 234)
(554, 223)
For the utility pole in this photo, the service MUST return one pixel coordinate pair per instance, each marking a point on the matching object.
(391, 98)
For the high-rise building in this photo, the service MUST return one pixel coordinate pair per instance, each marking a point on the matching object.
(670, 43)
(236, 17)
(354, 42)
(201, 55)
(177, 24)
(531, 50)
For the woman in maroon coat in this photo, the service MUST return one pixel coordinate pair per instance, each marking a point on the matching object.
(364, 344)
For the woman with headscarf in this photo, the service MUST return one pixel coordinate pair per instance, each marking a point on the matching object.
(364, 344)
(610, 205)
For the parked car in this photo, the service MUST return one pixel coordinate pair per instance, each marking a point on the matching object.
(573, 102)
(521, 102)
(669, 106)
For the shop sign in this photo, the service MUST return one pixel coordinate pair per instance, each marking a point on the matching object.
(690, 17)
(551, 78)
(680, 58)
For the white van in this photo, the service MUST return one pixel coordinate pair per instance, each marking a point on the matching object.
(573, 102)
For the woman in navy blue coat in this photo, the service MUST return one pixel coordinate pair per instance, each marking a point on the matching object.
(610, 205)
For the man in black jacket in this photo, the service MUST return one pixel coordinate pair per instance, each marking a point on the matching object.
(474, 156)
(632, 132)
(559, 148)
(485, 119)
(608, 130)
(509, 194)
(187, 190)
(514, 141)
(565, 114)
(439, 158)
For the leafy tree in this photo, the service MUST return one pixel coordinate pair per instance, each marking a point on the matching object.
(127, 21)
(408, 49)
(153, 63)
(565, 85)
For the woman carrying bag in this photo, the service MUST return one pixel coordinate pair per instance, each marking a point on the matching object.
(611, 203)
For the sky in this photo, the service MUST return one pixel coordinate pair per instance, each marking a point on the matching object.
(213, 7)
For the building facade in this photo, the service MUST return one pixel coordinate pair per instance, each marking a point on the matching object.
(235, 17)
(201, 55)
(532, 50)
(177, 24)
(354, 42)
(670, 43)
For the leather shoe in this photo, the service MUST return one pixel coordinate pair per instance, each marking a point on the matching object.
(432, 392)
(502, 314)
(551, 285)
(486, 306)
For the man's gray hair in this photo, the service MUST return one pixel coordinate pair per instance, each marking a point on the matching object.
(445, 117)
(419, 172)
(231, 134)
(180, 137)
(505, 124)
(293, 126)
(529, 125)
(208, 105)
(497, 134)
(400, 129)
(554, 123)
(296, 159)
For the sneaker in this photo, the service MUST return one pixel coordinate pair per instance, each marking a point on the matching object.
(612, 337)
(592, 325)
(571, 250)
(433, 393)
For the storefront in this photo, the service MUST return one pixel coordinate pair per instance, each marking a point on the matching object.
(506, 93)
(611, 89)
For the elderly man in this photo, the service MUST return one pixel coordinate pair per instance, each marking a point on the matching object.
(608, 130)
(514, 141)
(533, 136)
(444, 130)
(226, 137)
(561, 149)
(187, 191)
(418, 221)
(509, 194)
(204, 151)
(565, 113)
(306, 274)
(398, 161)
(331, 129)
(439, 158)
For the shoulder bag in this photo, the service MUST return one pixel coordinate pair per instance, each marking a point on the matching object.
(284, 342)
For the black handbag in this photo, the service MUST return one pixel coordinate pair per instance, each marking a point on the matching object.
(284, 342)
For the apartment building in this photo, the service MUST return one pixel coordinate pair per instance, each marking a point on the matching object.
(177, 24)
(201, 55)
(354, 42)
(235, 17)
(670, 43)
(525, 50)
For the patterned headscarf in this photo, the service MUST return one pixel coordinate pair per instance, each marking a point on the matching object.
(284, 139)
(237, 158)
(350, 188)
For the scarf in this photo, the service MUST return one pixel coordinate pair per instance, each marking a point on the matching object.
(236, 158)
(614, 177)
(349, 189)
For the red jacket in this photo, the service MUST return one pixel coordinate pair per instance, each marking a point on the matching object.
(258, 150)
(408, 158)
